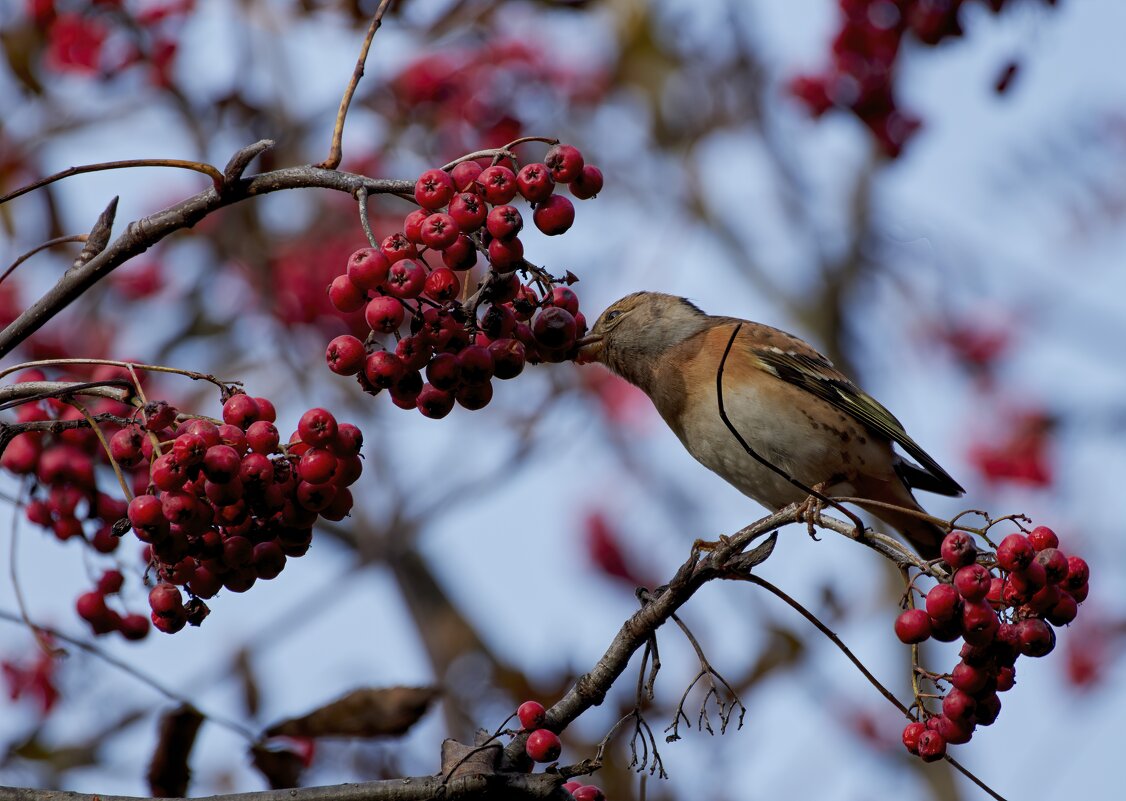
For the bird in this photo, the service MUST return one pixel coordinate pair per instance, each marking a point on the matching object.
(787, 401)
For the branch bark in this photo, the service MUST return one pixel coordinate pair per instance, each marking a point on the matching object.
(142, 234)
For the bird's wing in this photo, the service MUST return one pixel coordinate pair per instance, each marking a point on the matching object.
(797, 363)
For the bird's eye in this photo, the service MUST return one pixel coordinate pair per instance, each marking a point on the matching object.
(613, 315)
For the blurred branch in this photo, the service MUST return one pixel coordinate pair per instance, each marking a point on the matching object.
(142, 234)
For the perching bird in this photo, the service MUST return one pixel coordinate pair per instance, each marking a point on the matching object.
(785, 399)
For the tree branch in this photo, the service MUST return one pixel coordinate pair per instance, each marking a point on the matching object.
(142, 234)
(497, 787)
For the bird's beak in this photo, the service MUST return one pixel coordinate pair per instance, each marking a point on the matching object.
(589, 349)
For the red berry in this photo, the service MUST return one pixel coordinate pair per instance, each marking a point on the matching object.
(994, 596)
(165, 599)
(134, 627)
(1055, 564)
(170, 624)
(266, 410)
(405, 279)
(953, 731)
(504, 222)
(367, 268)
(439, 231)
(988, 708)
(461, 255)
(158, 414)
(317, 427)
(565, 298)
(345, 296)
(433, 402)
(497, 184)
(382, 369)
(240, 410)
(535, 182)
(474, 396)
(1043, 537)
(412, 225)
(221, 463)
(397, 247)
(979, 622)
(554, 216)
(434, 189)
(968, 678)
(345, 354)
(1044, 599)
(444, 371)
(1064, 611)
(911, 733)
(168, 473)
(145, 512)
(442, 285)
(506, 255)
(268, 560)
(531, 714)
(262, 437)
(565, 163)
(1006, 678)
(554, 327)
(349, 440)
(1015, 552)
(475, 365)
(384, 314)
(413, 353)
(931, 746)
(1078, 573)
(958, 549)
(469, 211)
(913, 626)
(316, 465)
(1031, 578)
(958, 705)
(124, 447)
(465, 174)
(543, 746)
(508, 358)
(973, 582)
(111, 581)
(1036, 637)
(588, 183)
(91, 606)
(588, 792)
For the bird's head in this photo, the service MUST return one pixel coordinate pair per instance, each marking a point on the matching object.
(633, 333)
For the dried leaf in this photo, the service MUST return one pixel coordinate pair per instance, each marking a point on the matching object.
(169, 772)
(281, 767)
(366, 712)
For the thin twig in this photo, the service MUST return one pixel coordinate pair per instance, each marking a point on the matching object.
(125, 667)
(884, 691)
(180, 164)
(335, 152)
(365, 223)
(50, 243)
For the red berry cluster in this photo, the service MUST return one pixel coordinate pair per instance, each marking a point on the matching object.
(1000, 614)
(864, 54)
(227, 504)
(454, 347)
(65, 496)
(543, 745)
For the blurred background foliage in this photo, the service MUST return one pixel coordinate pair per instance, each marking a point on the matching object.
(929, 190)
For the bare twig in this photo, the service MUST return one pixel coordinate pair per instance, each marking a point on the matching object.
(181, 164)
(335, 152)
(50, 243)
(142, 234)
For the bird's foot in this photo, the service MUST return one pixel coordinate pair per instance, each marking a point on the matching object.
(707, 546)
(810, 511)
